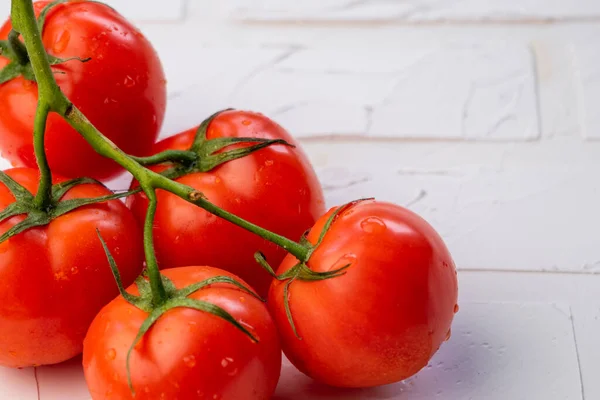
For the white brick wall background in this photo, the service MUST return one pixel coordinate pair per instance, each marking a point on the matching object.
(479, 115)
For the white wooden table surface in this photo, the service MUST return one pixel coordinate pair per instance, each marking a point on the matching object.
(482, 116)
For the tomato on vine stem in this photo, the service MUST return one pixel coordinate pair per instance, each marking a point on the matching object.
(105, 66)
(246, 164)
(387, 307)
(54, 275)
(212, 339)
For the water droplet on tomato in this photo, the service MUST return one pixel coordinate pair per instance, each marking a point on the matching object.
(216, 396)
(190, 361)
(129, 82)
(246, 122)
(74, 270)
(448, 334)
(60, 276)
(111, 354)
(61, 43)
(456, 308)
(373, 225)
(242, 299)
(217, 180)
(268, 163)
(227, 363)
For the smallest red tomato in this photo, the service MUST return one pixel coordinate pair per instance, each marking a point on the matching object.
(187, 354)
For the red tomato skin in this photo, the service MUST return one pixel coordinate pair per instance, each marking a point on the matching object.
(187, 354)
(54, 279)
(275, 188)
(384, 319)
(122, 91)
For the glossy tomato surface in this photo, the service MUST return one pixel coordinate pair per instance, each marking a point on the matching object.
(122, 90)
(383, 320)
(275, 188)
(187, 354)
(54, 279)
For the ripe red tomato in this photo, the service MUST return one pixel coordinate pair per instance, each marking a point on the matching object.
(122, 90)
(275, 188)
(384, 319)
(186, 354)
(56, 278)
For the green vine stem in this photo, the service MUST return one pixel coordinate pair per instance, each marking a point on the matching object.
(149, 179)
(52, 99)
(159, 295)
(44, 193)
(24, 22)
(17, 47)
(167, 155)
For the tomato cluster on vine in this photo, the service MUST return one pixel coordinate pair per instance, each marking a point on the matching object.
(361, 295)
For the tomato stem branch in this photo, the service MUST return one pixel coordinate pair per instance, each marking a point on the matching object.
(166, 156)
(106, 148)
(298, 250)
(159, 295)
(25, 23)
(18, 47)
(43, 198)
